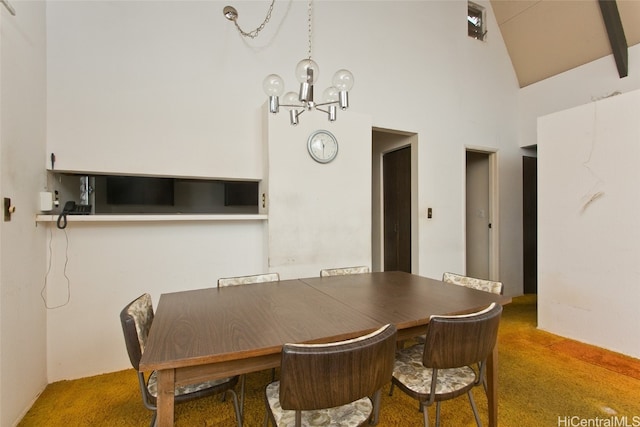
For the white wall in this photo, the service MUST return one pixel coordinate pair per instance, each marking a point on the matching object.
(110, 264)
(583, 282)
(170, 88)
(150, 88)
(319, 214)
(22, 246)
(588, 228)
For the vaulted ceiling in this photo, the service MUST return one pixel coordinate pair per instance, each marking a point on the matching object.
(548, 37)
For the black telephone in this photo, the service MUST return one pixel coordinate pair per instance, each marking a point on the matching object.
(71, 208)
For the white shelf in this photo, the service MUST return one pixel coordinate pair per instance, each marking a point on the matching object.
(153, 217)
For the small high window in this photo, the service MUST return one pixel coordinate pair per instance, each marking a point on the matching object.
(475, 21)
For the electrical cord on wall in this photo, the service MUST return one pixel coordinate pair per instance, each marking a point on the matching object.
(66, 261)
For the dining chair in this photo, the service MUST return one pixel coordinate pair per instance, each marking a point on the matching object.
(343, 271)
(332, 384)
(474, 283)
(136, 318)
(444, 367)
(247, 280)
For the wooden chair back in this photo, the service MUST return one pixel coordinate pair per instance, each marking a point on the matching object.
(317, 376)
(462, 340)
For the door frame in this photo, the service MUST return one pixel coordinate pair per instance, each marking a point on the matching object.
(382, 142)
(494, 211)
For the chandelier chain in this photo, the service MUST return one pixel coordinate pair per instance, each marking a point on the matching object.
(254, 33)
(310, 22)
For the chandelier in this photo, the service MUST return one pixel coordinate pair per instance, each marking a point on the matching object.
(306, 72)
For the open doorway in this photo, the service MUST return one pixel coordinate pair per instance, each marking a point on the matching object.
(530, 224)
(481, 215)
(394, 200)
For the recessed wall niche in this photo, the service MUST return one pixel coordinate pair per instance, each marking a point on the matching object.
(116, 194)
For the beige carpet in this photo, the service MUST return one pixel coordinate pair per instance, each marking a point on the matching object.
(543, 380)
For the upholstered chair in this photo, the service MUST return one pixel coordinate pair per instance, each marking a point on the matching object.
(451, 361)
(335, 384)
(136, 319)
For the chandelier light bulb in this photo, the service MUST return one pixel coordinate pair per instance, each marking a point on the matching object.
(307, 71)
(343, 80)
(290, 100)
(273, 85)
(330, 94)
(291, 103)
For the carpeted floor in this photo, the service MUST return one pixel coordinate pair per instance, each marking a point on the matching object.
(544, 380)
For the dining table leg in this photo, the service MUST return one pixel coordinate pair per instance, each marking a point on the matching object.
(166, 387)
(492, 386)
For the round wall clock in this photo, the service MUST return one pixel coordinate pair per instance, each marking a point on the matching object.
(322, 146)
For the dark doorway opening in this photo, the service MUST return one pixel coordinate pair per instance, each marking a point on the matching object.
(530, 224)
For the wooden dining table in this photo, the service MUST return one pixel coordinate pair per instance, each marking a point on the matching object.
(204, 334)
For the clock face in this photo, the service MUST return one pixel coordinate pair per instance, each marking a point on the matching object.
(322, 146)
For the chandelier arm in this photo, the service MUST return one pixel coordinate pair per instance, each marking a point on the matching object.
(320, 104)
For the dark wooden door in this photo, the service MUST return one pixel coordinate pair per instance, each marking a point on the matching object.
(397, 210)
(530, 224)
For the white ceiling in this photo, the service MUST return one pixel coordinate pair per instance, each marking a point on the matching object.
(548, 37)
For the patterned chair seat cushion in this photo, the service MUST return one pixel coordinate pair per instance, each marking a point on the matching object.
(152, 385)
(410, 371)
(352, 414)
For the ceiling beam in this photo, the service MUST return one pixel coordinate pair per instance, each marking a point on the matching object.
(611, 16)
